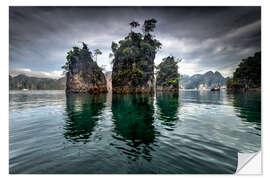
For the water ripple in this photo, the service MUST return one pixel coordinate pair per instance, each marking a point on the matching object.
(187, 132)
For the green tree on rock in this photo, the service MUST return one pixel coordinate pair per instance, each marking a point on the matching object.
(96, 53)
(167, 74)
(133, 60)
(134, 24)
(149, 25)
(248, 74)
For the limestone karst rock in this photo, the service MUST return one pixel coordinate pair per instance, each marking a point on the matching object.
(207, 80)
(133, 62)
(82, 72)
(167, 75)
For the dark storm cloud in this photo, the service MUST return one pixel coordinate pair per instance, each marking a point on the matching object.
(207, 38)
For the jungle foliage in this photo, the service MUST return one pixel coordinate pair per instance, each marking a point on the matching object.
(167, 73)
(133, 57)
(81, 55)
(248, 73)
(81, 59)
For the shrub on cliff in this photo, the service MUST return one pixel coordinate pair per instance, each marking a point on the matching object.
(167, 73)
(133, 57)
(83, 74)
(248, 73)
(81, 56)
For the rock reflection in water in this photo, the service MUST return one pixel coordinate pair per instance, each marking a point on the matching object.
(167, 103)
(133, 119)
(248, 106)
(82, 115)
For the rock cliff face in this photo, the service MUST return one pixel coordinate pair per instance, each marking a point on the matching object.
(83, 74)
(167, 75)
(133, 63)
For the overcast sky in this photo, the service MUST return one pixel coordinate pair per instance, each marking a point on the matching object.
(214, 38)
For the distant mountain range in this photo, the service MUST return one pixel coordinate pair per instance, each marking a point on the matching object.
(34, 83)
(203, 81)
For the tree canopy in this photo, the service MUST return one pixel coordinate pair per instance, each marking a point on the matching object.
(80, 55)
(149, 25)
(133, 57)
(134, 24)
(97, 52)
(167, 72)
(248, 73)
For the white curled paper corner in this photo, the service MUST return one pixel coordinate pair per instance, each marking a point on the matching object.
(249, 163)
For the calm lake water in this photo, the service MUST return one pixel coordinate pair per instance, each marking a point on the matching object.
(192, 132)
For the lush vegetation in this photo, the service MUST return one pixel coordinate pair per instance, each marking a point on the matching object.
(81, 55)
(167, 73)
(33, 83)
(133, 57)
(81, 59)
(248, 74)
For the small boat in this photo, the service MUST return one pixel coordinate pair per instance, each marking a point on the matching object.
(25, 89)
(215, 89)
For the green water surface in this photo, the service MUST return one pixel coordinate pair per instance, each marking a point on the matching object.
(186, 132)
